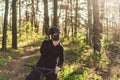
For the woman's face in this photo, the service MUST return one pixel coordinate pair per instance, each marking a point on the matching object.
(55, 36)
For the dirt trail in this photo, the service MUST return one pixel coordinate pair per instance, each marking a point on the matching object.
(15, 69)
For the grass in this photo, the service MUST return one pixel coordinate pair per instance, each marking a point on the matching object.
(3, 77)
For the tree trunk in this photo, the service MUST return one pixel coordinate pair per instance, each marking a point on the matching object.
(102, 10)
(96, 27)
(46, 18)
(37, 5)
(19, 13)
(119, 9)
(65, 28)
(89, 26)
(33, 14)
(72, 27)
(119, 17)
(55, 20)
(26, 11)
(5, 26)
(14, 24)
(76, 20)
(36, 22)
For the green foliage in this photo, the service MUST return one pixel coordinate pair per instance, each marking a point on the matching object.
(20, 51)
(84, 55)
(3, 77)
(114, 47)
(9, 38)
(27, 32)
(31, 61)
(78, 45)
(31, 47)
(10, 58)
(67, 70)
(96, 77)
(26, 35)
(72, 72)
(115, 77)
(79, 74)
(2, 61)
(28, 69)
(103, 63)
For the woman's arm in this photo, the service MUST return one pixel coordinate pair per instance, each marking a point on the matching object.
(61, 58)
(45, 47)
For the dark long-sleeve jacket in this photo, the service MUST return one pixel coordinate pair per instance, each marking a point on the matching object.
(50, 55)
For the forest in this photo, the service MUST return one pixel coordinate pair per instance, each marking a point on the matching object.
(89, 35)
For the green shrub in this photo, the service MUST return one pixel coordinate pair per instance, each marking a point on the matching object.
(115, 77)
(3, 77)
(2, 61)
(20, 51)
(10, 58)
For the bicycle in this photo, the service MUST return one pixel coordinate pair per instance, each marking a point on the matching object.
(42, 71)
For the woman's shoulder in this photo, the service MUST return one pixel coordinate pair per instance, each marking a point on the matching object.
(47, 41)
(61, 46)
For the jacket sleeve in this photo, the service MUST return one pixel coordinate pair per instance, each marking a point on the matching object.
(61, 58)
(45, 47)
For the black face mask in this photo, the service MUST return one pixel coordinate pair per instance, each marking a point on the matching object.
(55, 37)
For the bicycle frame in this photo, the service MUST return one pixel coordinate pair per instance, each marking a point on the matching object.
(41, 70)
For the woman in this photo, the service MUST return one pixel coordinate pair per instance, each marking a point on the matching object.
(52, 56)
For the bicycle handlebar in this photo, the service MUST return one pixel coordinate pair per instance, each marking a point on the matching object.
(41, 70)
(38, 67)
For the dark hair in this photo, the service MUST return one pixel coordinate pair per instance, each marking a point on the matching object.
(54, 29)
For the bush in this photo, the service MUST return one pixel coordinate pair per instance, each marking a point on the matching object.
(2, 61)
(3, 77)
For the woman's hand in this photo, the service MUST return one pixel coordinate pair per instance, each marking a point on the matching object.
(57, 69)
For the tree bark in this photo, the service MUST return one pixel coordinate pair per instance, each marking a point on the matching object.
(119, 17)
(46, 18)
(27, 12)
(65, 28)
(55, 20)
(89, 26)
(14, 24)
(20, 13)
(33, 14)
(96, 27)
(5, 26)
(72, 27)
(76, 18)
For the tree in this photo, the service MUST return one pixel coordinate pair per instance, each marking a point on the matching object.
(119, 8)
(55, 20)
(89, 26)
(19, 13)
(66, 20)
(14, 25)
(96, 27)
(5, 25)
(46, 18)
(36, 20)
(76, 18)
(26, 11)
(71, 10)
(33, 13)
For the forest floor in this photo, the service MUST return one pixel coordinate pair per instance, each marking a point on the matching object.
(15, 69)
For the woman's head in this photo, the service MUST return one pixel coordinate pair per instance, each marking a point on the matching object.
(54, 32)
(54, 29)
